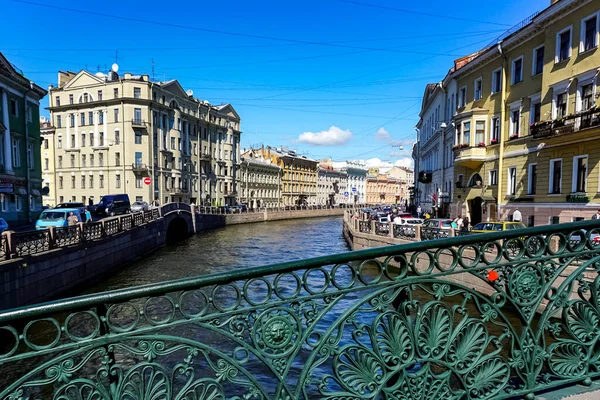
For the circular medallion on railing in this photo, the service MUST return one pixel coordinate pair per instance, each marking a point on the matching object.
(257, 291)
(316, 280)
(343, 276)
(513, 249)
(46, 332)
(82, 325)
(556, 243)
(469, 255)
(396, 267)
(370, 272)
(576, 241)
(535, 246)
(446, 259)
(287, 285)
(159, 310)
(276, 332)
(193, 304)
(491, 253)
(525, 284)
(9, 341)
(226, 297)
(123, 317)
(422, 262)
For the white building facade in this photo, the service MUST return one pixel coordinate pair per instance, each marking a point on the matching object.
(260, 183)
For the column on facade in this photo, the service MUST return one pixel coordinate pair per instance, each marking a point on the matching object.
(67, 141)
(96, 134)
(76, 144)
(187, 138)
(161, 131)
(7, 144)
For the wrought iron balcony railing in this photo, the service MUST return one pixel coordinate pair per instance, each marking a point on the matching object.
(485, 316)
(569, 124)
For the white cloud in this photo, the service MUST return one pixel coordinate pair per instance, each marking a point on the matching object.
(334, 136)
(382, 135)
(404, 162)
(385, 166)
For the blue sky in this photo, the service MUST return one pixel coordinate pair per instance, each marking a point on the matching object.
(330, 78)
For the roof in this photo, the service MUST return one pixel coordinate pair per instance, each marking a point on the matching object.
(258, 162)
(18, 77)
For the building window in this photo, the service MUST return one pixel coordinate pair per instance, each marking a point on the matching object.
(83, 140)
(493, 177)
(58, 121)
(517, 71)
(532, 179)
(117, 159)
(16, 152)
(137, 116)
(535, 110)
(512, 181)
(137, 93)
(478, 89)
(83, 161)
(117, 137)
(83, 181)
(138, 136)
(116, 92)
(101, 139)
(70, 99)
(118, 182)
(72, 182)
(14, 108)
(563, 44)
(72, 160)
(515, 117)
(60, 182)
(46, 164)
(91, 117)
(46, 144)
(100, 160)
(495, 137)
(91, 139)
(172, 143)
(82, 115)
(138, 183)
(101, 117)
(101, 181)
(85, 98)
(531, 221)
(579, 174)
(497, 81)
(91, 181)
(116, 115)
(555, 220)
(57, 101)
(479, 133)
(462, 97)
(91, 160)
(467, 133)
(18, 203)
(60, 162)
(538, 61)
(587, 97)
(561, 105)
(72, 120)
(555, 176)
(589, 33)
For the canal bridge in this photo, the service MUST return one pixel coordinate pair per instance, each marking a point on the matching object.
(386, 323)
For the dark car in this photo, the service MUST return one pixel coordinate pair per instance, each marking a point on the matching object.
(118, 207)
(106, 201)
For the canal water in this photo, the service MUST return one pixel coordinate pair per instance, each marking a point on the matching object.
(233, 248)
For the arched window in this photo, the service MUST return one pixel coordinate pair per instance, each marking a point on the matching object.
(475, 180)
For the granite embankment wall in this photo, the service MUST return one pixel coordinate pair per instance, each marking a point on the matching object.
(234, 219)
(39, 277)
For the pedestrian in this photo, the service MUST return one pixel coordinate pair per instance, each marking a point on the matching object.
(427, 215)
(88, 215)
(419, 211)
(517, 216)
(72, 220)
(597, 215)
(453, 224)
(460, 222)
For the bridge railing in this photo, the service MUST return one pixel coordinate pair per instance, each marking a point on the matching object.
(239, 210)
(491, 316)
(21, 244)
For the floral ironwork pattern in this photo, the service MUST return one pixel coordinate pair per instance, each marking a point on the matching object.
(92, 231)
(67, 236)
(126, 222)
(364, 226)
(491, 316)
(434, 233)
(138, 219)
(382, 228)
(404, 232)
(111, 226)
(3, 247)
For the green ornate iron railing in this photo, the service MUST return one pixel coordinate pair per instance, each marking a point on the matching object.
(499, 315)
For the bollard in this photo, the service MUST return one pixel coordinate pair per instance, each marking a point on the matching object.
(11, 242)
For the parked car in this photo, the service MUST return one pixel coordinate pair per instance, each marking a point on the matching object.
(406, 215)
(118, 207)
(106, 201)
(495, 226)
(138, 206)
(410, 221)
(439, 223)
(80, 206)
(57, 218)
(3, 225)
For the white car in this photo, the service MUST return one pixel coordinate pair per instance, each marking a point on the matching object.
(409, 221)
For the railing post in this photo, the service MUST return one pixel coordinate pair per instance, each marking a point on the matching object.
(81, 231)
(418, 233)
(11, 243)
(52, 232)
(452, 232)
(193, 207)
(373, 226)
(391, 229)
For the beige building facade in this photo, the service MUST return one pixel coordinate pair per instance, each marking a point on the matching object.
(383, 189)
(260, 182)
(115, 134)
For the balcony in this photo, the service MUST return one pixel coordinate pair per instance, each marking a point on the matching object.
(139, 168)
(570, 124)
(179, 192)
(425, 176)
(205, 157)
(470, 157)
(139, 123)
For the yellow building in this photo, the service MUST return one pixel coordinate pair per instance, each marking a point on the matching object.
(384, 189)
(299, 174)
(527, 123)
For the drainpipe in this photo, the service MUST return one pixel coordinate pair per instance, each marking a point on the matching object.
(28, 177)
(504, 128)
(417, 162)
(443, 126)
